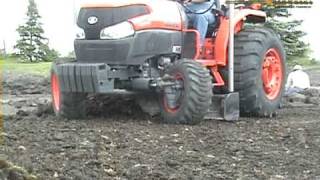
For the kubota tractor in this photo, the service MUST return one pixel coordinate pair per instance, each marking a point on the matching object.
(147, 47)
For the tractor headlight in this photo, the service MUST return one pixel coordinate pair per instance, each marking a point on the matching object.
(80, 34)
(118, 31)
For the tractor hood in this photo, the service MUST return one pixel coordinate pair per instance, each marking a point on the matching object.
(142, 14)
(116, 3)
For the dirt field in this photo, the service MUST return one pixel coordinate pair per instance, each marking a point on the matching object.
(127, 144)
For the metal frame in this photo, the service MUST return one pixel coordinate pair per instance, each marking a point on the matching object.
(231, 49)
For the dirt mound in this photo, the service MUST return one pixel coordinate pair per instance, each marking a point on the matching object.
(312, 92)
(308, 97)
(26, 94)
(21, 84)
(113, 106)
(99, 106)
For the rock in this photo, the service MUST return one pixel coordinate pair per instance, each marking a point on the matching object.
(172, 163)
(10, 171)
(77, 174)
(148, 104)
(10, 136)
(175, 135)
(22, 148)
(33, 91)
(138, 140)
(44, 109)
(4, 164)
(137, 170)
(33, 105)
(110, 172)
(58, 136)
(45, 82)
(312, 92)
(87, 144)
(210, 156)
(277, 177)
(313, 100)
(250, 140)
(4, 101)
(297, 97)
(22, 113)
(105, 137)
(176, 177)
(15, 175)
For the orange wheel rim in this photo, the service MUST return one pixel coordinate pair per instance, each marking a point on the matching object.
(55, 90)
(272, 74)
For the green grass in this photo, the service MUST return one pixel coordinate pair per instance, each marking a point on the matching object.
(11, 64)
(43, 68)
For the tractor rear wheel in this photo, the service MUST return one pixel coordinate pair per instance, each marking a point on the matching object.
(260, 71)
(67, 105)
(188, 101)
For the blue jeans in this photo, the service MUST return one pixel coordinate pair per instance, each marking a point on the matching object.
(200, 22)
(292, 90)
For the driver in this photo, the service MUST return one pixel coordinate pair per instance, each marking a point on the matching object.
(200, 21)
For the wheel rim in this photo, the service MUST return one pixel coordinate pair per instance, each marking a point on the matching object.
(55, 90)
(272, 75)
(173, 95)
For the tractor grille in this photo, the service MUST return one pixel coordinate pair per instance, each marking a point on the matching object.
(107, 17)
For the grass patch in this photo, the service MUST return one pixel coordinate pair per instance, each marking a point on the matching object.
(11, 64)
(43, 68)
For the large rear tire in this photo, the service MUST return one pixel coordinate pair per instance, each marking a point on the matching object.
(260, 71)
(188, 101)
(66, 105)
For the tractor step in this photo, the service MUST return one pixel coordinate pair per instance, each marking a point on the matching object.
(224, 107)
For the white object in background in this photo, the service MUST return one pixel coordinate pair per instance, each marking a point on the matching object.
(298, 79)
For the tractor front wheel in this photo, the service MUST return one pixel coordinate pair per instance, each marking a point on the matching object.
(260, 71)
(67, 105)
(188, 101)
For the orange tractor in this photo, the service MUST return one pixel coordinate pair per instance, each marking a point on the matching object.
(148, 48)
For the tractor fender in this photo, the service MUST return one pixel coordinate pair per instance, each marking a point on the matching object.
(222, 37)
(250, 15)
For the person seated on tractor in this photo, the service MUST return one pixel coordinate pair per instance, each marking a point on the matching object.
(298, 81)
(200, 21)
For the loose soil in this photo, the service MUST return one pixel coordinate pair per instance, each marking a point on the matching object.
(119, 141)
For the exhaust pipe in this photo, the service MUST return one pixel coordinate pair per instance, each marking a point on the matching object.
(231, 49)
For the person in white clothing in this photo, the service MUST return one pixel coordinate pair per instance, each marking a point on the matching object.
(298, 80)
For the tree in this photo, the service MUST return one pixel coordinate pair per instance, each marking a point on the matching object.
(291, 36)
(289, 32)
(32, 45)
(49, 54)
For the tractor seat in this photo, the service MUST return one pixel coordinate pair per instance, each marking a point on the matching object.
(217, 12)
(212, 28)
